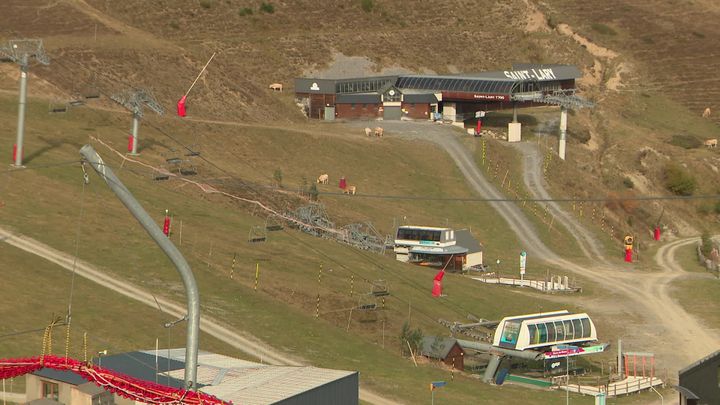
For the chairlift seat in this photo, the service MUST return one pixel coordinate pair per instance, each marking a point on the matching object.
(174, 161)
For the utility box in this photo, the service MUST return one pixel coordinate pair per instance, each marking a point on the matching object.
(329, 113)
(514, 131)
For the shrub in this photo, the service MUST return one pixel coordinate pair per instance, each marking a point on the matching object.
(206, 4)
(603, 29)
(174, 25)
(706, 243)
(267, 8)
(698, 34)
(314, 192)
(367, 5)
(245, 11)
(627, 182)
(678, 180)
(410, 336)
(685, 141)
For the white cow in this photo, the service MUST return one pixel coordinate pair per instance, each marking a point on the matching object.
(323, 179)
(711, 143)
(368, 132)
(276, 87)
(706, 113)
(378, 131)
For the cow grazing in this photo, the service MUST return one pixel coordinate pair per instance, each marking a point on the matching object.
(323, 179)
(711, 143)
(706, 113)
(276, 87)
(378, 131)
(349, 190)
(368, 132)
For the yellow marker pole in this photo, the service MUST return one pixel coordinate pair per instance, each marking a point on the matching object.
(257, 275)
(232, 267)
(352, 280)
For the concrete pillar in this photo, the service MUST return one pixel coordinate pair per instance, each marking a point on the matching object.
(563, 132)
(450, 111)
(514, 112)
(21, 111)
(620, 360)
(492, 368)
(136, 125)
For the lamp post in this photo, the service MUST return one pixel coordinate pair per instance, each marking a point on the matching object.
(100, 354)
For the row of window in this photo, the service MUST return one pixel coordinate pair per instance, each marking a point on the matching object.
(450, 84)
(558, 331)
(363, 86)
(419, 234)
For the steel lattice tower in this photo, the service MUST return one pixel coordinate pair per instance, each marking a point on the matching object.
(133, 100)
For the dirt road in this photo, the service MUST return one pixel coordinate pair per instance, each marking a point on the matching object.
(243, 342)
(638, 304)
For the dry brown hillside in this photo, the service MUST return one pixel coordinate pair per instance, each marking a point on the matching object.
(649, 66)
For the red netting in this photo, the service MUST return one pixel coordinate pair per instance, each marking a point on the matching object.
(117, 383)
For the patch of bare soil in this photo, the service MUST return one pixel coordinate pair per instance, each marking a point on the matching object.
(343, 66)
(536, 20)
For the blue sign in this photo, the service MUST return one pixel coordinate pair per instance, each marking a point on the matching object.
(438, 384)
(426, 242)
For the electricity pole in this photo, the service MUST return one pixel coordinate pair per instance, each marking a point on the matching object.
(21, 51)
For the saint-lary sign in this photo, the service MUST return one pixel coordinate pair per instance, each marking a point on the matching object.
(534, 74)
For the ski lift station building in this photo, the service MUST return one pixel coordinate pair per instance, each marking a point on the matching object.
(437, 247)
(545, 329)
(455, 97)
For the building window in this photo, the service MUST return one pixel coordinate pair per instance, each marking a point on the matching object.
(106, 398)
(352, 106)
(50, 390)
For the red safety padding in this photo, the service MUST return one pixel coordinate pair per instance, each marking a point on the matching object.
(181, 107)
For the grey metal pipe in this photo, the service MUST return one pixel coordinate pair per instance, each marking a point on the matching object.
(21, 111)
(191, 290)
(486, 347)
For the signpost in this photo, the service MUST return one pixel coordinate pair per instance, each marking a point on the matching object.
(433, 386)
(523, 260)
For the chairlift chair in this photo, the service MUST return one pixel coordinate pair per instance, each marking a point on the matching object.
(57, 108)
(257, 234)
(379, 288)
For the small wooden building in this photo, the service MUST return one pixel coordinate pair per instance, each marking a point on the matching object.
(446, 349)
(699, 383)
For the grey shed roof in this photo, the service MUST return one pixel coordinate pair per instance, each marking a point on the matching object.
(686, 392)
(691, 368)
(437, 347)
(90, 389)
(372, 98)
(464, 238)
(447, 250)
(320, 86)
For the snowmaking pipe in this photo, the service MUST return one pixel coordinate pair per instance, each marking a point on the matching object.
(191, 290)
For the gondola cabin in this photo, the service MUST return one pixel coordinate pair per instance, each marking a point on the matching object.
(544, 330)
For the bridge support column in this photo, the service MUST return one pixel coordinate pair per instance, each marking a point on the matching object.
(492, 368)
(563, 132)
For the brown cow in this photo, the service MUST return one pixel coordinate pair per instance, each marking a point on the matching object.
(276, 87)
(349, 190)
(378, 131)
(711, 143)
(706, 113)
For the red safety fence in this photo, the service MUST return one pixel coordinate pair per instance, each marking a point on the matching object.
(117, 383)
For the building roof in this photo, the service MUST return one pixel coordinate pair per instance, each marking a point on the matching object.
(464, 238)
(367, 98)
(67, 377)
(698, 364)
(437, 347)
(686, 393)
(90, 389)
(248, 383)
(494, 82)
(135, 364)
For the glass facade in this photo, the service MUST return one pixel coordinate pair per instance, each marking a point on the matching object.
(559, 331)
(419, 234)
(456, 84)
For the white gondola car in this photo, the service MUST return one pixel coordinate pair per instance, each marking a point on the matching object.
(543, 330)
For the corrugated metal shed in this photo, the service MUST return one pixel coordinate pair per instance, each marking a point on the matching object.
(437, 347)
(319, 86)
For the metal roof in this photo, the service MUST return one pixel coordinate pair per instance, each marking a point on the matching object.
(493, 82)
(419, 98)
(437, 347)
(90, 389)
(686, 393)
(67, 377)
(248, 383)
(699, 363)
(464, 238)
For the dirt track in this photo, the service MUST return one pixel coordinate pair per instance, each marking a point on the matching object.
(639, 303)
(244, 343)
